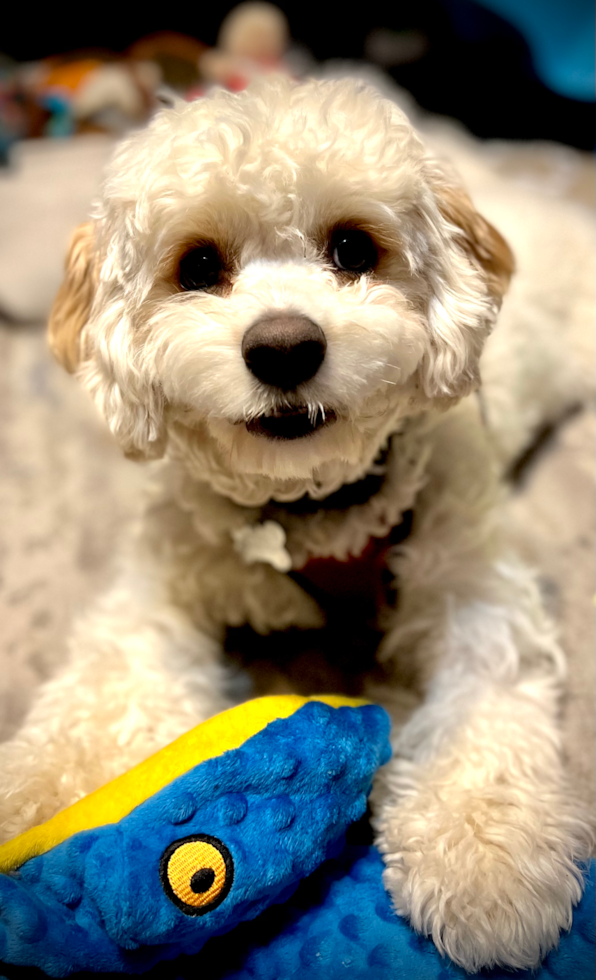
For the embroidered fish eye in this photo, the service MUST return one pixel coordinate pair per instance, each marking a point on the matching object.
(353, 250)
(200, 268)
(196, 873)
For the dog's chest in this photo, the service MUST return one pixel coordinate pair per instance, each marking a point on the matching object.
(359, 587)
(351, 595)
(296, 590)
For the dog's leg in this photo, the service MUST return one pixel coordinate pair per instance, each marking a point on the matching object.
(479, 830)
(139, 675)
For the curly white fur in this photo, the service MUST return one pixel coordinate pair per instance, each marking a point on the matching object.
(480, 833)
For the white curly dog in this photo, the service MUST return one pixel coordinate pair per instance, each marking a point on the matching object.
(282, 298)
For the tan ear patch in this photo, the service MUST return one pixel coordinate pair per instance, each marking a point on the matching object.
(75, 296)
(484, 243)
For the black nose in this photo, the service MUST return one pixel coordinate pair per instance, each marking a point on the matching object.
(283, 350)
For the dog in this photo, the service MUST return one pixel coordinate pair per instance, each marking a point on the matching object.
(282, 300)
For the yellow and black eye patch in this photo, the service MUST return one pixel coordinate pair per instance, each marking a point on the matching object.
(196, 873)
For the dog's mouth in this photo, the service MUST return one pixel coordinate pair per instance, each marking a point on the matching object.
(291, 423)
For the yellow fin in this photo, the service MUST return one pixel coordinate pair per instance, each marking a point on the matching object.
(115, 800)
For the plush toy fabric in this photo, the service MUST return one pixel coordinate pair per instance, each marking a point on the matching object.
(147, 869)
(340, 924)
(189, 860)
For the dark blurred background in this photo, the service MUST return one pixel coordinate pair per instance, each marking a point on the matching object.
(515, 69)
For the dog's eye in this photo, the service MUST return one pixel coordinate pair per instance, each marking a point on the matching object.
(200, 268)
(353, 251)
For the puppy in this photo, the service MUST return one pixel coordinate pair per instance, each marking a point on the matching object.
(282, 299)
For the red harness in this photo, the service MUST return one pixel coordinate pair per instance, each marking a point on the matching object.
(360, 586)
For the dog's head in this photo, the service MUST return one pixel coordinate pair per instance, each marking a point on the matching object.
(272, 280)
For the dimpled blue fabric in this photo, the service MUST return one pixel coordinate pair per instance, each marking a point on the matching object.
(340, 924)
(280, 804)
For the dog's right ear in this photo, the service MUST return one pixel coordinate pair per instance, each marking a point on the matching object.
(72, 305)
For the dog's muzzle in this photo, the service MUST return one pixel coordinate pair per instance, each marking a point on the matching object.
(284, 351)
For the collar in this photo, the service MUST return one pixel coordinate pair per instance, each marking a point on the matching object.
(350, 495)
(290, 536)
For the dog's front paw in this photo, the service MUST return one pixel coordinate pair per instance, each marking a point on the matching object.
(490, 876)
(40, 776)
(31, 788)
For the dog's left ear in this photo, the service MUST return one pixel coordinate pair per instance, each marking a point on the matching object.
(469, 275)
(72, 305)
(485, 246)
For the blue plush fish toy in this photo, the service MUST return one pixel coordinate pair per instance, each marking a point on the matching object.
(238, 825)
(205, 834)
